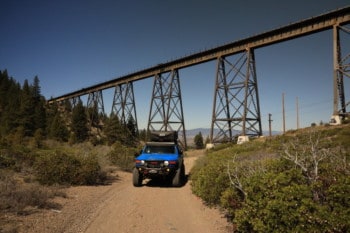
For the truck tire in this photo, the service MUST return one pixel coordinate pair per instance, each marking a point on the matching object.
(179, 176)
(136, 178)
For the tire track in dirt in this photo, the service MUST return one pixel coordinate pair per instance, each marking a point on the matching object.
(122, 208)
(154, 208)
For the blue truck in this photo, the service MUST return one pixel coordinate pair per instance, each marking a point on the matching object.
(161, 158)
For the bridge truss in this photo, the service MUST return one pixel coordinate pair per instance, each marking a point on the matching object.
(166, 112)
(124, 104)
(236, 109)
(236, 100)
(341, 69)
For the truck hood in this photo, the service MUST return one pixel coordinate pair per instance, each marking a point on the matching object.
(159, 157)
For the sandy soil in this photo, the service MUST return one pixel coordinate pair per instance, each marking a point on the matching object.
(120, 207)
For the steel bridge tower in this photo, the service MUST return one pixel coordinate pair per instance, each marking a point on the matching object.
(95, 107)
(236, 109)
(124, 104)
(341, 68)
(166, 111)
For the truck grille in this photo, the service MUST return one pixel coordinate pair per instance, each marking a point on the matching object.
(154, 164)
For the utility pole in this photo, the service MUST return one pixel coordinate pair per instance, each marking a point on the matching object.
(284, 115)
(270, 121)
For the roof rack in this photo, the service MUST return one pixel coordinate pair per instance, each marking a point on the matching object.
(164, 136)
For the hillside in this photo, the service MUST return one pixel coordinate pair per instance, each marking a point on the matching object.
(297, 182)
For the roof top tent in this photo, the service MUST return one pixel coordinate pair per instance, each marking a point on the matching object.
(164, 136)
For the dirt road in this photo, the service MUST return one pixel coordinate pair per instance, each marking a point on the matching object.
(122, 208)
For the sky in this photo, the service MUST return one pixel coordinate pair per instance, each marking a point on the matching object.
(74, 44)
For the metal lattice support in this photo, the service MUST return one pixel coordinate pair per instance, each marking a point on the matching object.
(341, 69)
(236, 109)
(74, 101)
(124, 103)
(166, 112)
(95, 107)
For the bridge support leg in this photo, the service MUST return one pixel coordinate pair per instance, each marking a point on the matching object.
(124, 104)
(166, 111)
(95, 107)
(236, 108)
(341, 67)
(74, 101)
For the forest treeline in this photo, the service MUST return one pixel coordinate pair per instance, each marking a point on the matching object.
(24, 113)
(45, 147)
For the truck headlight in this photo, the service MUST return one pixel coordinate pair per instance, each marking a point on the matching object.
(166, 163)
(142, 162)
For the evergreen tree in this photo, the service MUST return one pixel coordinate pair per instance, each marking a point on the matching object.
(198, 141)
(67, 106)
(143, 135)
(21, 107)
(93, 115)
(27, 110)
(10, 92)
(79, 122)
(131, 126)
(58, 129)
(112, 129)
(39, 102)
(36, 89)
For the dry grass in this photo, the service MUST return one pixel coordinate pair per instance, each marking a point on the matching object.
(18, 197)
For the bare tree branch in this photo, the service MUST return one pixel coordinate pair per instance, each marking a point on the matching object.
(234, 179)
(307, 156)
(243, 169)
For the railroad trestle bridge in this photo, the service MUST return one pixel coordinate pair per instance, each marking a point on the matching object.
(236, 100)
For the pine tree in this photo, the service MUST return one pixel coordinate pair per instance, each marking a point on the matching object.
(131, 126)
(143, 135)
(21, 107)
(112, 129)
(79, 122)
(59, 130)
(198, 141)
(10, 92)
(39, 102)
(27, 110)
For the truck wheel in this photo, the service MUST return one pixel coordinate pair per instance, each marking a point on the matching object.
(179, 176)
(136, 178)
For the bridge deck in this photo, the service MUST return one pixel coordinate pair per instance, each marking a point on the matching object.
(305, 27)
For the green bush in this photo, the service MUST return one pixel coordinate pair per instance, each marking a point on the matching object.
(286, 202)
(6, 161)
(263, 190)
(122, 156)
(210, 181)
(16, 159)
(60, 168)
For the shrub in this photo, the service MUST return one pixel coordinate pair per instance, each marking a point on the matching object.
(6, 161)
(209, 178)
(122, 156)
(292, 183)
(17, 159)
(16, 196)
(60, 168)
(285, 202)
(209, 182)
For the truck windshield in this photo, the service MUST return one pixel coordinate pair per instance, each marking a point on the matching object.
(160, 149)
